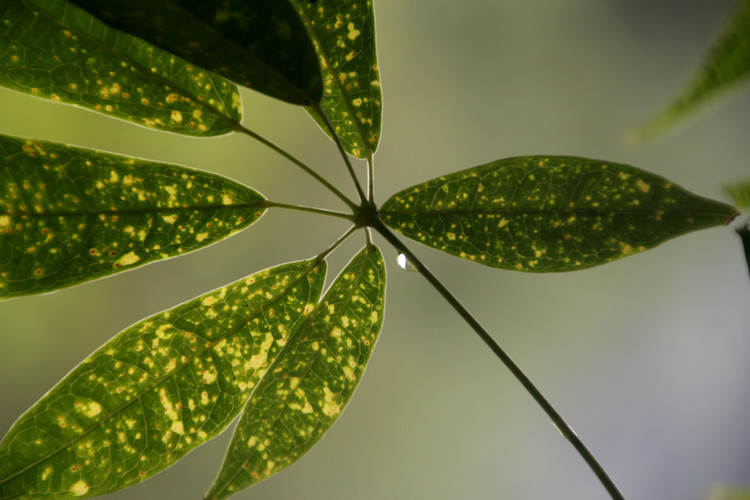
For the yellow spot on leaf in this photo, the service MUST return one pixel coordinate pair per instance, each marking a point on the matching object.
(128, 259)
(93, 409)
(80, 488)
(353, 32)
(330, 407)
(177, 427)
(209, 377)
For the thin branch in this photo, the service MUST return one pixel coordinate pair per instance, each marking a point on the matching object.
(371, 177)
(338, 242)
(300, 164)
(312, 210)
(565, 429)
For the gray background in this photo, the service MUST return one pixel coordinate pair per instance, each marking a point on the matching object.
(648, 357)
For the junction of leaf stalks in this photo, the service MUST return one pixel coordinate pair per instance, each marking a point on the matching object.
(366, 215)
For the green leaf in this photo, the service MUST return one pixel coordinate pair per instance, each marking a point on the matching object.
(740, 193)
(158, 389)
(549, 213)
(726, 66)
(344, 35)
(260, 44)
(69, 215)
(54, 50)
(312, 380)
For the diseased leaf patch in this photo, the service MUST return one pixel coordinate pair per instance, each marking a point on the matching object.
(344, 33)
(307, 388)
(542, 214)
(158, 389)
(54, 50)
(69, 215)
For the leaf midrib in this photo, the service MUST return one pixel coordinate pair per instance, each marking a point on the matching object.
(137, 211)
(563, 211)
(314, 264)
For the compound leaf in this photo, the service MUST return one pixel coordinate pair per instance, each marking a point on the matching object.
(69, 215)
(260, 44)
(726, 66)
(306, 389)
(55, 50)
(549, 213)
(158, 389)
(344, 35)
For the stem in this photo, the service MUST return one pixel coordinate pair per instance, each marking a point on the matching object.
(313, 210)
(371, 177)
(299, 163)
(338, 242)
(565, 429)
(319, 110)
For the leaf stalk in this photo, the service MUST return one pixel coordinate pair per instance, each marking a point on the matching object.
(299, 163)
(312, 210)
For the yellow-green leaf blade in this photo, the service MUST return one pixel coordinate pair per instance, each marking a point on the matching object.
(158, 389)
(69, 215)
(740, 193)
(260, 44)
(344, 32)
(305, 391)
(544, 214)
(726, 66)
(55, 50)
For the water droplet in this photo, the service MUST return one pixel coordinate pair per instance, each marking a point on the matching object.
(404, 263)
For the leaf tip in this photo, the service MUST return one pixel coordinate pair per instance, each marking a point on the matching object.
(731, 218)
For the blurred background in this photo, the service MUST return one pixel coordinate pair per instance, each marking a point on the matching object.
(648, 358)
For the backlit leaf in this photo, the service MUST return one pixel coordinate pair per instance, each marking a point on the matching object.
(740, 193)
(53, 49)
(260, 44)
(157, 390)
(726, 66)
(344, 32)
(549, 213)
(312, 380)
(69, 215)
